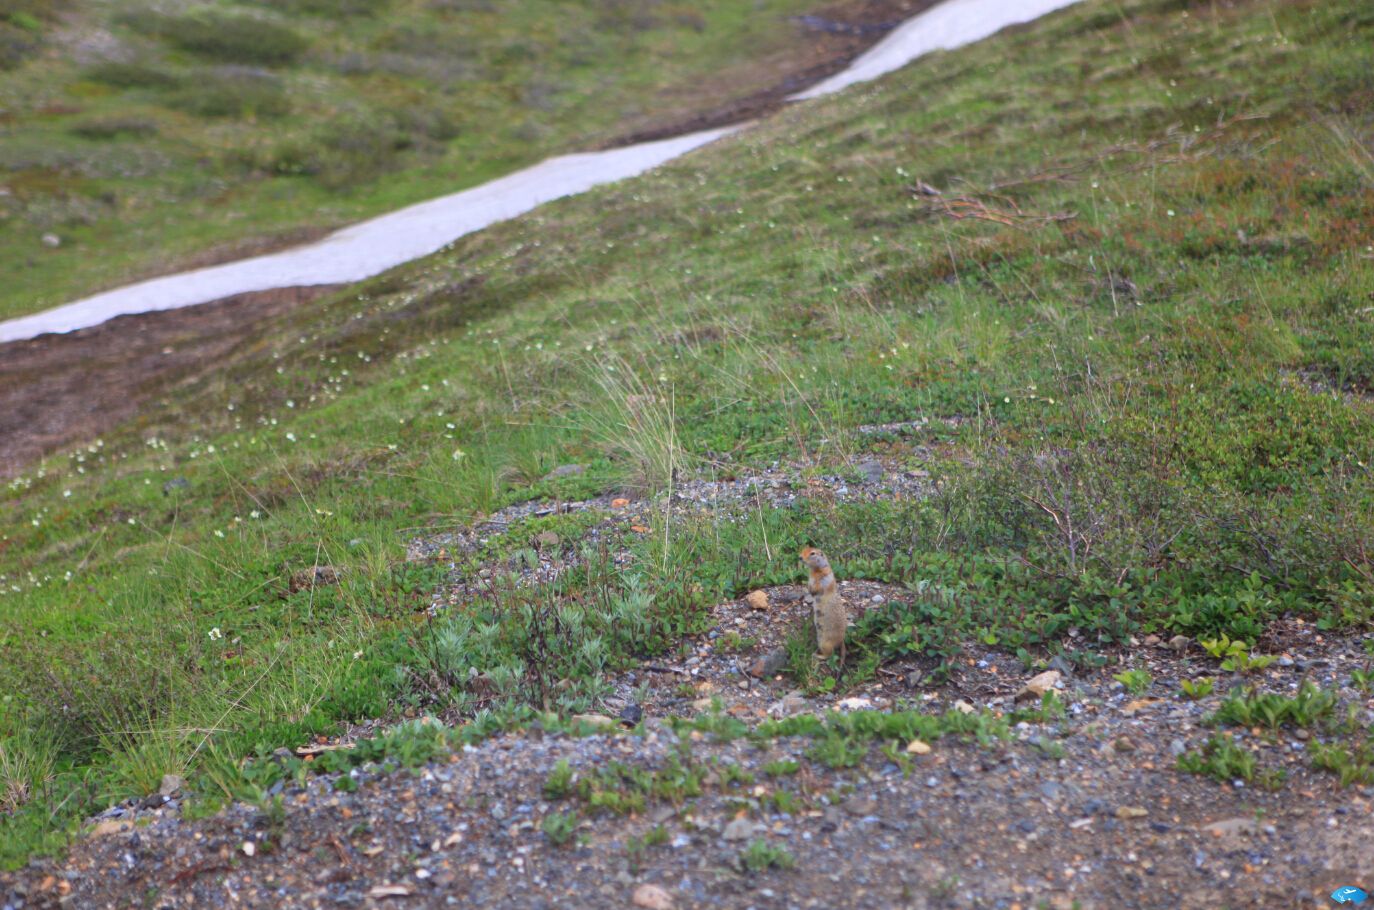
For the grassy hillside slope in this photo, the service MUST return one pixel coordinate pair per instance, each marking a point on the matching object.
(147, 136)
(1138, 316)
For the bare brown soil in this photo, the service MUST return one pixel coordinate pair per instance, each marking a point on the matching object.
(56, 390)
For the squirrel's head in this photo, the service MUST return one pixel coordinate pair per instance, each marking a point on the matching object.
(814, 558)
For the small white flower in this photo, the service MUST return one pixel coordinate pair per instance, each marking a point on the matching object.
(216, 634)
(219, 533)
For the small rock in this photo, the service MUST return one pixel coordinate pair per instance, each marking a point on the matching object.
(860, 806)
(631, 715)
(964, 707)
(1058, 662)
(594, 720)
(1126, 812)
(1180, 643)
(171, 784)
(1177, 747)
(877, 599)
(619, 502)
(1038, 685)
(1051, 790)
(701, 704)
(789, 704)
(1286, 661)
(1123, 744)
(249, 848)
(871, 469)
(548, 540)
(1231, 826)
(757, 600)
(51, 241)
(314, 577)
(566, 470)
(739, 829)
(788, 595)
(380, 891)
(913, 679)
(113, 826)
(770, 664)
(917, 747)
(1152, 640)
(176, 483)
(855, 703)
(652, 897)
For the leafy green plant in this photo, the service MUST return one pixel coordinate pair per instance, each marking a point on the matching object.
(560, 827)
(836, 750)
(1222, 647)
(1195, 689)
(785, 801)
(560, 780)
(781, 768)
(1308, 707)
(637, 846)
(1220, 758)
(896, 753)
(1050, 708)
(760, 856)
(1235, 655)
(1135, 680)
(1352, 764)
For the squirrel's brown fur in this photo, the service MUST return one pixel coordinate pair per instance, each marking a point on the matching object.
(827, 608)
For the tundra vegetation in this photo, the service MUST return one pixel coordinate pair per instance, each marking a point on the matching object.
(1121, 261)
(148, 135)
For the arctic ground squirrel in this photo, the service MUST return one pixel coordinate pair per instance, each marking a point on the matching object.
(827, 608)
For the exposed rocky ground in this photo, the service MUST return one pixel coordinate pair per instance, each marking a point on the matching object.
(1101, 820)
(869, 478)
(1078, 805)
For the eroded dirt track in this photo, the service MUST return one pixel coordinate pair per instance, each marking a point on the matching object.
(57, 390)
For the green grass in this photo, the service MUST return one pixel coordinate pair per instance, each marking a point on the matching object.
(144, 136)
(1162, 403)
